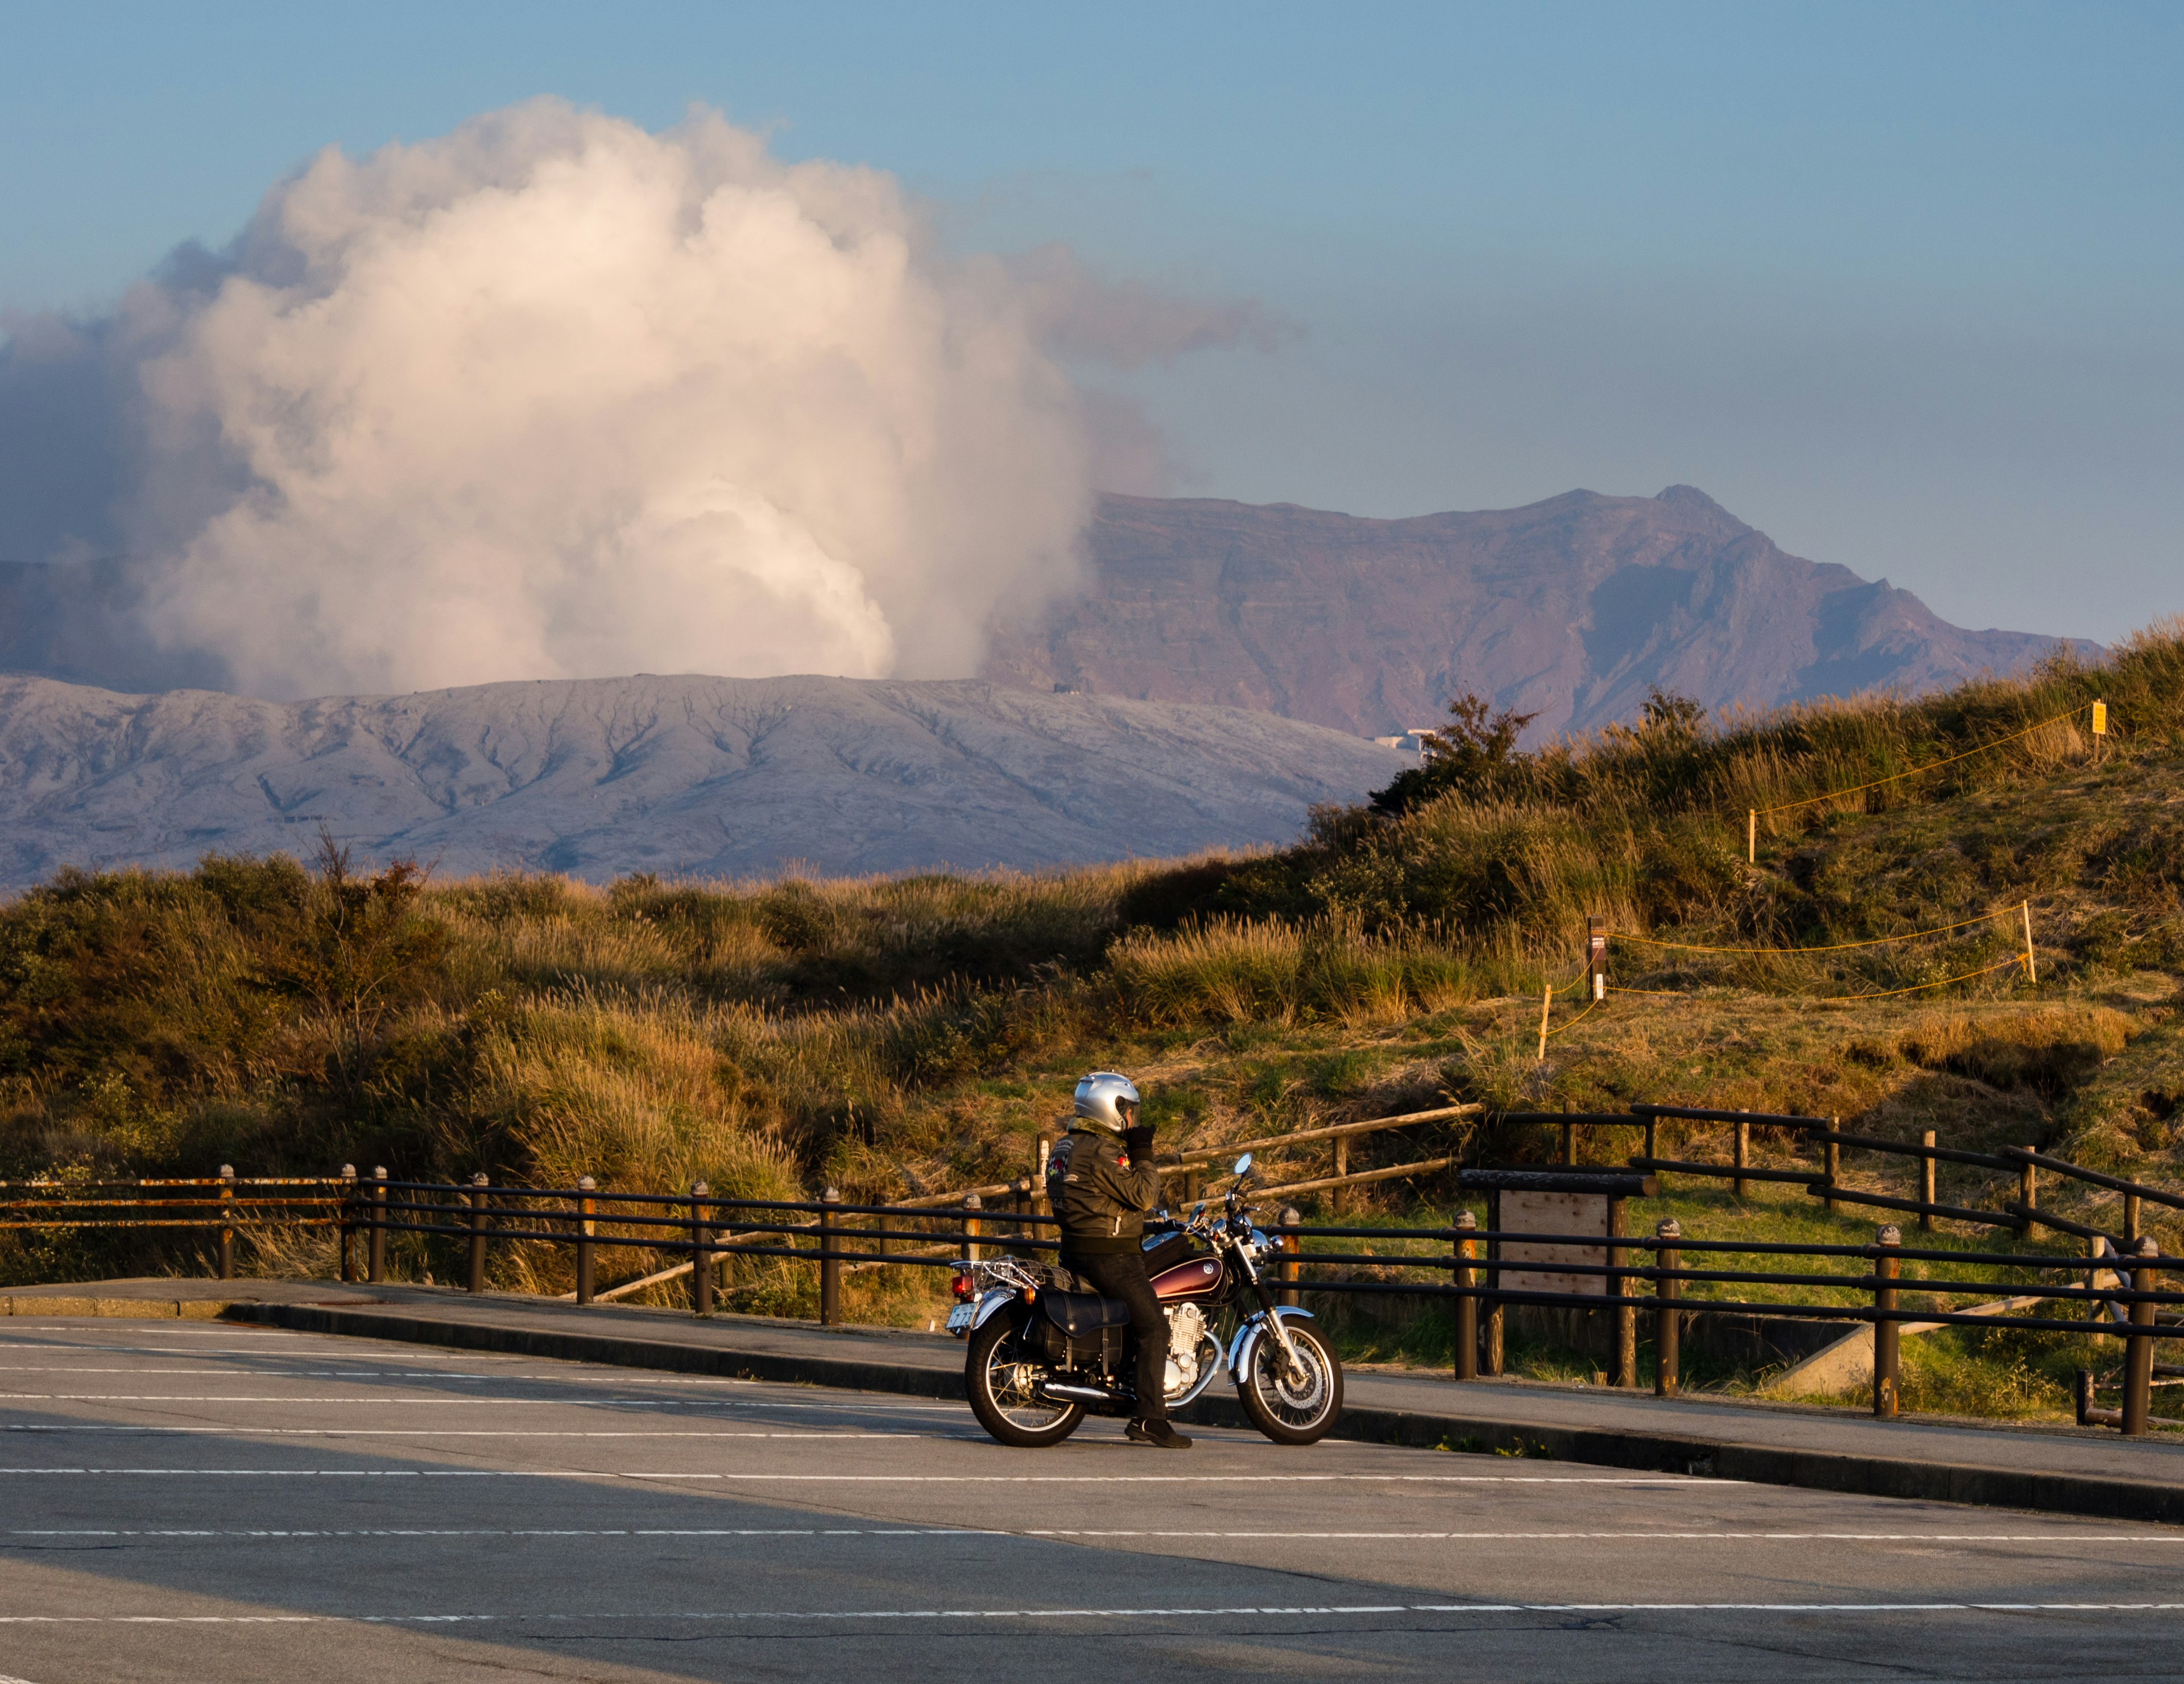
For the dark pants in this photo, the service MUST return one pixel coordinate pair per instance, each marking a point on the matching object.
(1122, 1275)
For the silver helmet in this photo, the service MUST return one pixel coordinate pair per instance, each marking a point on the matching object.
(1107, 1101)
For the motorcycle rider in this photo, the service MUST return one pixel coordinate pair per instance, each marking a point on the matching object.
(1101, 1180)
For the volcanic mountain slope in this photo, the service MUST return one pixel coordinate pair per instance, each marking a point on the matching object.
(696, 776)
(1573, 609)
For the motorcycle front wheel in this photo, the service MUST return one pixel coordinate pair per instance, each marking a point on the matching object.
(1000, 1379)
(1292, 1409)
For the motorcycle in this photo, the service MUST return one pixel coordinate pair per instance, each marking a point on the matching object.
(1040, 1358)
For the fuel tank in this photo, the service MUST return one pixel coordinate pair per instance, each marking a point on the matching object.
(1194, 1277)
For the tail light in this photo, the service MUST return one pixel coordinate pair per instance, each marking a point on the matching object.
(964, 1286)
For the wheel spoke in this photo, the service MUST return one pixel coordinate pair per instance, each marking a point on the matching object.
(1012, 1383)
(1300, 1398)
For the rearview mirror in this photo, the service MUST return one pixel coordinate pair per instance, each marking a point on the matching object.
(1243, 1164)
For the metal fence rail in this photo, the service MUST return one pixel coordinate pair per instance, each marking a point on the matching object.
(1663, 1278)
(1643, 1276)
(223, 1203)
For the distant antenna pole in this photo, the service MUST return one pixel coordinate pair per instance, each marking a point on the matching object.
(1752, 836)
(2031, 972)
(1546, 1000)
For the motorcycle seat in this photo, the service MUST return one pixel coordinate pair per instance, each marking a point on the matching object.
(1078, 1313)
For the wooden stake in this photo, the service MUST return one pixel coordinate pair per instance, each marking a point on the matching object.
(1752, 836)
(1546, 1000)
(2031, 971)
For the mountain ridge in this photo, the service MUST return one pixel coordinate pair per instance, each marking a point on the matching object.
(1573, 608)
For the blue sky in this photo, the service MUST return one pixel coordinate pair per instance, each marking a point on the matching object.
(1898, 284)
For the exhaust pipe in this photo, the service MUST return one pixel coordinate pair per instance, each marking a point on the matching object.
(1077, 1394)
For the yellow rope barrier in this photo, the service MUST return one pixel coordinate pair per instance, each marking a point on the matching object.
(1834, 947)
(1931, 765)
(2023, 959)
(2015, 959)
(1572, 1024)
(1754, 815)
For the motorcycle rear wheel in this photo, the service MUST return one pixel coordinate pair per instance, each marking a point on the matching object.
(998, 1378)
(1292, 1410)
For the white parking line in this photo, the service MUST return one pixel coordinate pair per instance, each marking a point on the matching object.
(893, 1479)
(378, 1399)
(438, 1432)
(1236, 1611)
(547, 1532)
(2042, 1538)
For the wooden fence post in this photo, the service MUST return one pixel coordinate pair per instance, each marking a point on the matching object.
(2132, 1205)
(478, 1184)
(2028, 1190)
(586, 1230)
(830, 1268)
(1491, 1359)
(227, 1222)
(348, 1223)
(1886, 1331)
(2138, 1350)
(375, 1247)
(972, 1207)
(1290, 1245)
(1926, 1196)
(1341, 1167)
(1666, 1331)
(1467, 1307)
(1743, 1157)
(701, 1251)
(1831, 1174)
(1626, 1310)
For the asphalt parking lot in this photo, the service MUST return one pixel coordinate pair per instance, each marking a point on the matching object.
(197, 1500)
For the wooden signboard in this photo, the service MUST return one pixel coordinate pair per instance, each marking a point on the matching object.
(1577, 1214)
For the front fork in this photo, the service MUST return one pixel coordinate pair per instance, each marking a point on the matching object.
(1292, 1365)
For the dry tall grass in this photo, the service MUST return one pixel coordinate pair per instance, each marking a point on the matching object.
(911, 1033)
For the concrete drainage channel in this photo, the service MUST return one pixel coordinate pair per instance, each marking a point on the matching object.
(2044, 1490)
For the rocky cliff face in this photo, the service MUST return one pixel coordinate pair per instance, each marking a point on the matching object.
(705, 776)
(1573, 608)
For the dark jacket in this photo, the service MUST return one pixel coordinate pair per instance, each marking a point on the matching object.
(1100, 1195)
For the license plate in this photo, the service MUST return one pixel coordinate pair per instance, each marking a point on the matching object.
(959, 1318)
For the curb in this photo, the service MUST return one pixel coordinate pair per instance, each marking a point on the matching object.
(139, 1309)
(1966, 1484)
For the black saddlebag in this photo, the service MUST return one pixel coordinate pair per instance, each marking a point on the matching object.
(1079, 1330)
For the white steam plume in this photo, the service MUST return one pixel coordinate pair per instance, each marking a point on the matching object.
(554, 397)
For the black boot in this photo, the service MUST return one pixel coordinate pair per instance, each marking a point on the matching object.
(1157, 1432)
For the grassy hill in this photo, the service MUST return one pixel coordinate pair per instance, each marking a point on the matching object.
(904, 1035)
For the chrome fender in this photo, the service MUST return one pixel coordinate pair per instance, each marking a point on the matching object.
(1248, 1335)
(989, 1300)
